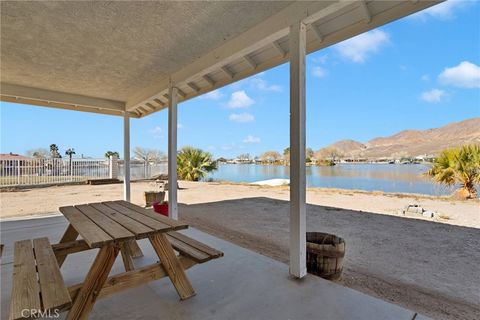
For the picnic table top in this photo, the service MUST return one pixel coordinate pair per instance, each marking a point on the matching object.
(102, 223)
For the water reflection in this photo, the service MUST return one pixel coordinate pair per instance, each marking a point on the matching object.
(370, 177)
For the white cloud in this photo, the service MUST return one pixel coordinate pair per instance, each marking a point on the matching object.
(425, 77)
(319, 72)
(241, 117)
(433, 96)
(179, 126)
(360, 47)
(213, 95)
(157, 132)
(239, 99)
(321, 59)
(263, 85)
(443, 11)
(465, 75)
(251, 139)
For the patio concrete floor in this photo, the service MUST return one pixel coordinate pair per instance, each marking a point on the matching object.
(241, 285)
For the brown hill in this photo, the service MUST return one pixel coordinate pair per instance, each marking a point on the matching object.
(412, 142)
(344, 148)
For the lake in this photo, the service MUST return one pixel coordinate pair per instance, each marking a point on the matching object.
(401, 178)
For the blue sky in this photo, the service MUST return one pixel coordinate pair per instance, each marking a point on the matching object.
(416, 73)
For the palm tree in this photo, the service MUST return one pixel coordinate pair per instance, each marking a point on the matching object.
(193, 164)
(54, 151)
(458, 166)
(112, 153)
(70, 152)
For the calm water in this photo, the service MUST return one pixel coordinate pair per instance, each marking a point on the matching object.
(370, 177)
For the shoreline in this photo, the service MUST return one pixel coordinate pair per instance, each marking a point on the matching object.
(343, 190)
(36, 202)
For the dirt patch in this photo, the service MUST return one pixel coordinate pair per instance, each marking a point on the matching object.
(400, 260)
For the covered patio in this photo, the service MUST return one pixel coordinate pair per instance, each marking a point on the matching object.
(133, 59)
(242, 284)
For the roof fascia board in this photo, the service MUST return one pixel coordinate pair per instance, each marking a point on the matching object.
(36, 96)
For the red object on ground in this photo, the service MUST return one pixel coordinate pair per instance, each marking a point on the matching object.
(161, 208)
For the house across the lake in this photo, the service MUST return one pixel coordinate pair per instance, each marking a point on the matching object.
(13, 157)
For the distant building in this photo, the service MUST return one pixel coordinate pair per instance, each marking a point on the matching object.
(11, 163)
(13, 156)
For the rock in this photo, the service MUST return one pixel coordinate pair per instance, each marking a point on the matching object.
(415, 208)
(428, 214)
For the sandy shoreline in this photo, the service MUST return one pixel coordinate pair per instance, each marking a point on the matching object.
(427, 265)
(37, 201)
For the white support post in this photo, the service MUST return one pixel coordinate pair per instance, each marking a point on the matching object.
(172, 153)
(126, 157)
(297, 151)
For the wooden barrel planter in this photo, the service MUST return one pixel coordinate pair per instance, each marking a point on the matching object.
(325, 254)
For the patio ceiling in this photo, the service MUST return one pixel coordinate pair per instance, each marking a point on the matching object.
(117, 57)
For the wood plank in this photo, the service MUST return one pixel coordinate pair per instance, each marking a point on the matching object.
(54, 292)
(70, 247)
(152, 223)
(172, 266)
(177, 225)
(25, 289)
(185, 249)
(135, 278)
(70, 235)
(94, 281)
(135, 249)
(126, 256)
(138, 228)
(90, 232)
(114, 229)
(196, 244)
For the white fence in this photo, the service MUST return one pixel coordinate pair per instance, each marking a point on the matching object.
(47, 171)
(56, 171)
(139, 171)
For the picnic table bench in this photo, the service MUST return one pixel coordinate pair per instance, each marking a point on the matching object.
(38, 288)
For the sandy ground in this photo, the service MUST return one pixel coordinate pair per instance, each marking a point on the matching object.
(427, 265)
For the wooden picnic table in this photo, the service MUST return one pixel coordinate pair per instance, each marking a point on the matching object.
(114, 227)
(111, 227)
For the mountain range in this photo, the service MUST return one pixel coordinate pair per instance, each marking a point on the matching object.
(411, 143)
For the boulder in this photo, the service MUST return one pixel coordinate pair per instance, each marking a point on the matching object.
(428, 214)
